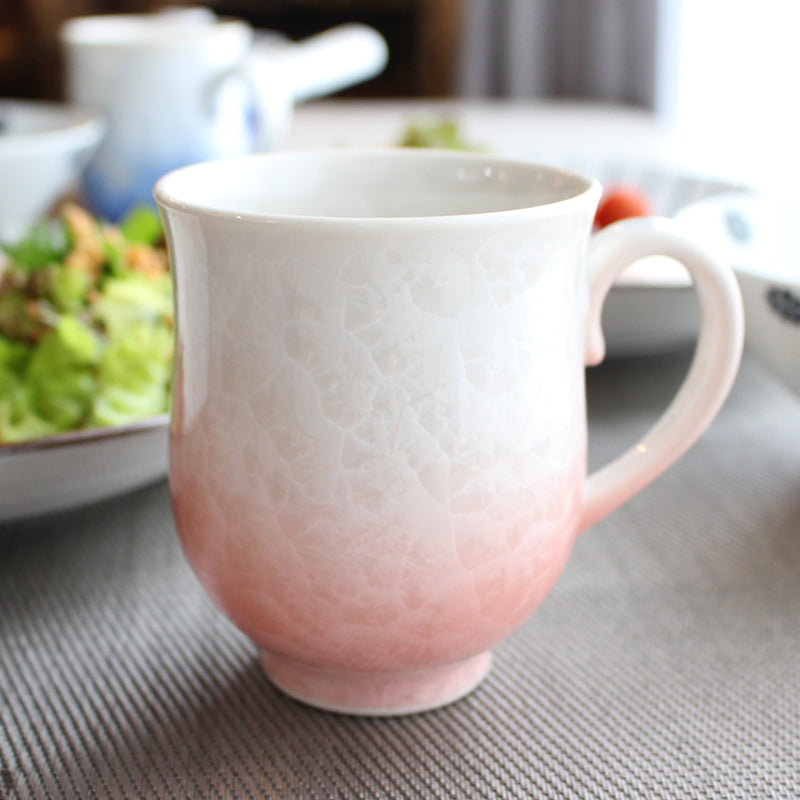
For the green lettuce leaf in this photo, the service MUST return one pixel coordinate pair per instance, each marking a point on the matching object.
(60, 379)
(142, 226)
(125, 302)
(46, 243)
(134, 376)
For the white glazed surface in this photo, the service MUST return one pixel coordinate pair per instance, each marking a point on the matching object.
(43, 148)
(378, 444)
(182, 86)
(652, 307)
(151, 77)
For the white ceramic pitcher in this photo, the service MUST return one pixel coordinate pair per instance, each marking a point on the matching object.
(181, 86)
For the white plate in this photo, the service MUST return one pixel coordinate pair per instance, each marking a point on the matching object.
(69, 470)
(652, 308)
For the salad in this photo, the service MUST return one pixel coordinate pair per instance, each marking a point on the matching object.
(85, 325)
(444, 133)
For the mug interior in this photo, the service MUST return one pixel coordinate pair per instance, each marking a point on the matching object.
(386, 184)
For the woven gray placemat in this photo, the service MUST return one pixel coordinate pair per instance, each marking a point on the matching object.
(665, 664)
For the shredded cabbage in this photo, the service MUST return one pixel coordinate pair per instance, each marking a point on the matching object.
(85, 325)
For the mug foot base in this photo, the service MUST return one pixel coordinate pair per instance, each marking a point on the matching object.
(376, 693)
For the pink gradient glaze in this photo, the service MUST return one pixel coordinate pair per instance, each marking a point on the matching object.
(371, 600)
(377, 693)
(378, 442)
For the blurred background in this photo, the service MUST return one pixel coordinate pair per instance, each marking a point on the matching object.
(567, 48)
(722, 72)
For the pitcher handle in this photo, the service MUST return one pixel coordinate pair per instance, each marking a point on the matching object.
(712, 371)
(332, 60)
(322, 64)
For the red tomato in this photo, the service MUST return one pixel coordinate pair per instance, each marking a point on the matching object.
(620, 202)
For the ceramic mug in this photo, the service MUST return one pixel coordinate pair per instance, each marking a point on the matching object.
(378, 442)
(181, 86)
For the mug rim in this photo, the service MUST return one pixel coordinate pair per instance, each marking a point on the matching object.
(590, 188)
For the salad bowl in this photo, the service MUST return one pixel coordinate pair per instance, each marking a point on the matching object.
(85, 360)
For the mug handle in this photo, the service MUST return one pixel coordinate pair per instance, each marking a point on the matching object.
(711, 374)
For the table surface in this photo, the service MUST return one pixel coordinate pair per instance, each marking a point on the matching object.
(665, 663)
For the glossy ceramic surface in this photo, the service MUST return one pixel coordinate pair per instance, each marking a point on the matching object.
(378, 444)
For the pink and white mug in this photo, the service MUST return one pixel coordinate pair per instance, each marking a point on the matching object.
(378, 443)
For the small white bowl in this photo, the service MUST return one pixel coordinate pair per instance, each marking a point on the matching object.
(760, 237)
(43, 149)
